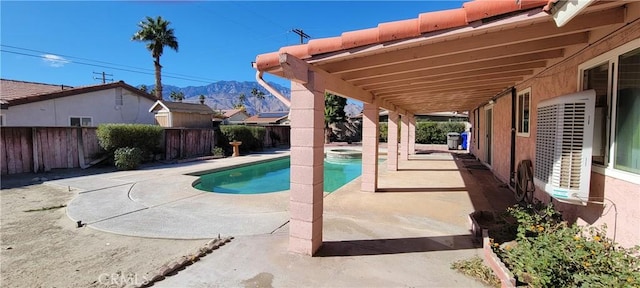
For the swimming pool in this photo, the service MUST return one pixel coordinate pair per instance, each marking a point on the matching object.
(273, 176)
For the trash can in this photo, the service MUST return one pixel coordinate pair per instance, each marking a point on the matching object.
(453, 140)
(463, 140)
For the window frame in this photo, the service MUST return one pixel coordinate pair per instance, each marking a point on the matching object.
(80, 118)
(611, 57)
(518, 107)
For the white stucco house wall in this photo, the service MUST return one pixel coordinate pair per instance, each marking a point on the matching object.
(37, 104)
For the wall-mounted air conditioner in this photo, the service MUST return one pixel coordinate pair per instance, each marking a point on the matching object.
(564, 134)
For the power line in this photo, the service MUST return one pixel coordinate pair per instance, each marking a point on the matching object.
(302, 34)
(104, 79)
(110, 67)
(164, 73)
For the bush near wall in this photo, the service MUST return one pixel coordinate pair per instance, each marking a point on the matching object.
(428, 132)
(252, 137)
(143, 136)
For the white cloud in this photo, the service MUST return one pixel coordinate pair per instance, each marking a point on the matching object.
(54, 60)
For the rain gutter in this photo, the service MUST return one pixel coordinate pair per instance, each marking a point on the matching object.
(272, 90)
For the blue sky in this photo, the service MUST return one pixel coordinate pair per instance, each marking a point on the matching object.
(65, 42)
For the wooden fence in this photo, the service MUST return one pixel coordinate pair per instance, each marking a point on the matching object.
(187, 142)
(28, 149)
(35, 149)
(277, 136)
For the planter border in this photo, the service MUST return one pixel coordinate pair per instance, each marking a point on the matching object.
(507, 280)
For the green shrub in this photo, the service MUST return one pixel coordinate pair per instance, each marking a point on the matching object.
(217, 151)
(384, 130)
(427, 132)
(128, 158)
(549, 252)
(114, 136)
(252, 137)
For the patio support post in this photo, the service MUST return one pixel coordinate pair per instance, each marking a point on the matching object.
(412, 135)
(307, 156)
(404, 138)
(370, 134)
(392, 141)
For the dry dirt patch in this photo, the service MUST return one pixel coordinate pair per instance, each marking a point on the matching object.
(43, 248)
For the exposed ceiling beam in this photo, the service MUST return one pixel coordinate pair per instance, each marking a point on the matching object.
(473, 56)
(460, 87)
(466, 77)
(516, 68)
(298, 70)
(428, 71)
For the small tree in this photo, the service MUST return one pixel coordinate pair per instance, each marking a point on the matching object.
(333, 113)
(201, 98)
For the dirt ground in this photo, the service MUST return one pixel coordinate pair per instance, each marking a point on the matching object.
(44, 248)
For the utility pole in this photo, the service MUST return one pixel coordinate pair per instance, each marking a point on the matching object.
(301, 33)
(104, 77)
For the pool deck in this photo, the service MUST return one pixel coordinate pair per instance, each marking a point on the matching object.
(407, 235)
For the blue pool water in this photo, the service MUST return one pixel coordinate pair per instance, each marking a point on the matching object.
(273, 176)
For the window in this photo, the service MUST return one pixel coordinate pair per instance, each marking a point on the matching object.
(80, 121)
(615, 76)
(524, 106)
(1, 120)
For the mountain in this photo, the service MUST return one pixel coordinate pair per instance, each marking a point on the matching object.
(223, 95)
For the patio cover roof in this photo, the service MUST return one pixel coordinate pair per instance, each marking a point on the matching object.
(450, 60)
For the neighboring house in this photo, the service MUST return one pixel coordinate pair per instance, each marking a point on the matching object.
(37, 104)
(235, 116)
(184, 115)
(517, 68)
(268, 118)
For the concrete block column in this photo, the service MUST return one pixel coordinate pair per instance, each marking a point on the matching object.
(370, 135)
(404, 138)
(392, 141)
(307, 168)
(412, 135)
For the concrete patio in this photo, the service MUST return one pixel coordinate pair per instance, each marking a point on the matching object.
(405, 235)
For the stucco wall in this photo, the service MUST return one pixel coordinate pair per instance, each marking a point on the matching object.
(100, 105)
(622, 220)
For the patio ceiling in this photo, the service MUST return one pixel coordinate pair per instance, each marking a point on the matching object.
(455, 69)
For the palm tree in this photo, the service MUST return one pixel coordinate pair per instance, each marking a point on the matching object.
(157, 34)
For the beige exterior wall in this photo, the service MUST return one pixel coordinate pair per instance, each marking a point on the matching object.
(162, 119)
(191, 120)
(621, 211)
(100, 106)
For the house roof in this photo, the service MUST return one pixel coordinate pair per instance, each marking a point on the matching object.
(13, 92)
(267, 118)
(182, 107)
(230, 112)
(450, 60)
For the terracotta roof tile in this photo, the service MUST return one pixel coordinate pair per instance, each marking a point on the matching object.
(481, 9)
(404, 29)
(398, 30)
(440, 20)
(359, 38)
(319, 46)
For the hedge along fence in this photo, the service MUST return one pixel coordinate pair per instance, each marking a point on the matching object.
(428, 132)
(252, 137)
